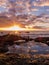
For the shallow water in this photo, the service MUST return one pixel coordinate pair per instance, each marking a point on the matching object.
(31, 47)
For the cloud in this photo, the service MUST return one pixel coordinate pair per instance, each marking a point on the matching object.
(3, 2)
(42, 24)
(34, 9)
(38, 27)
(41, 3)
(20, 6)
(47, 9)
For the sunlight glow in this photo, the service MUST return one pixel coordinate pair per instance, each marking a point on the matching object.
(17, 28)
(12, 28)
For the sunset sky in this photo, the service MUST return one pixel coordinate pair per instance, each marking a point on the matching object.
(33, 7)
(26, 6)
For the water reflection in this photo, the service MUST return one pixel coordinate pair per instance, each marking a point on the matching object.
(31, 47)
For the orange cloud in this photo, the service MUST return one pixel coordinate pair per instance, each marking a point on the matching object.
(3, 2)
(41, 3)
(34, 9)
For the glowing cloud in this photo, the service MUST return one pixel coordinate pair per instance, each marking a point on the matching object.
(41, 3)
(18, 28)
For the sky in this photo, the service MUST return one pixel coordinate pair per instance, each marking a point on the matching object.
(34, 7)
(25, 6)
